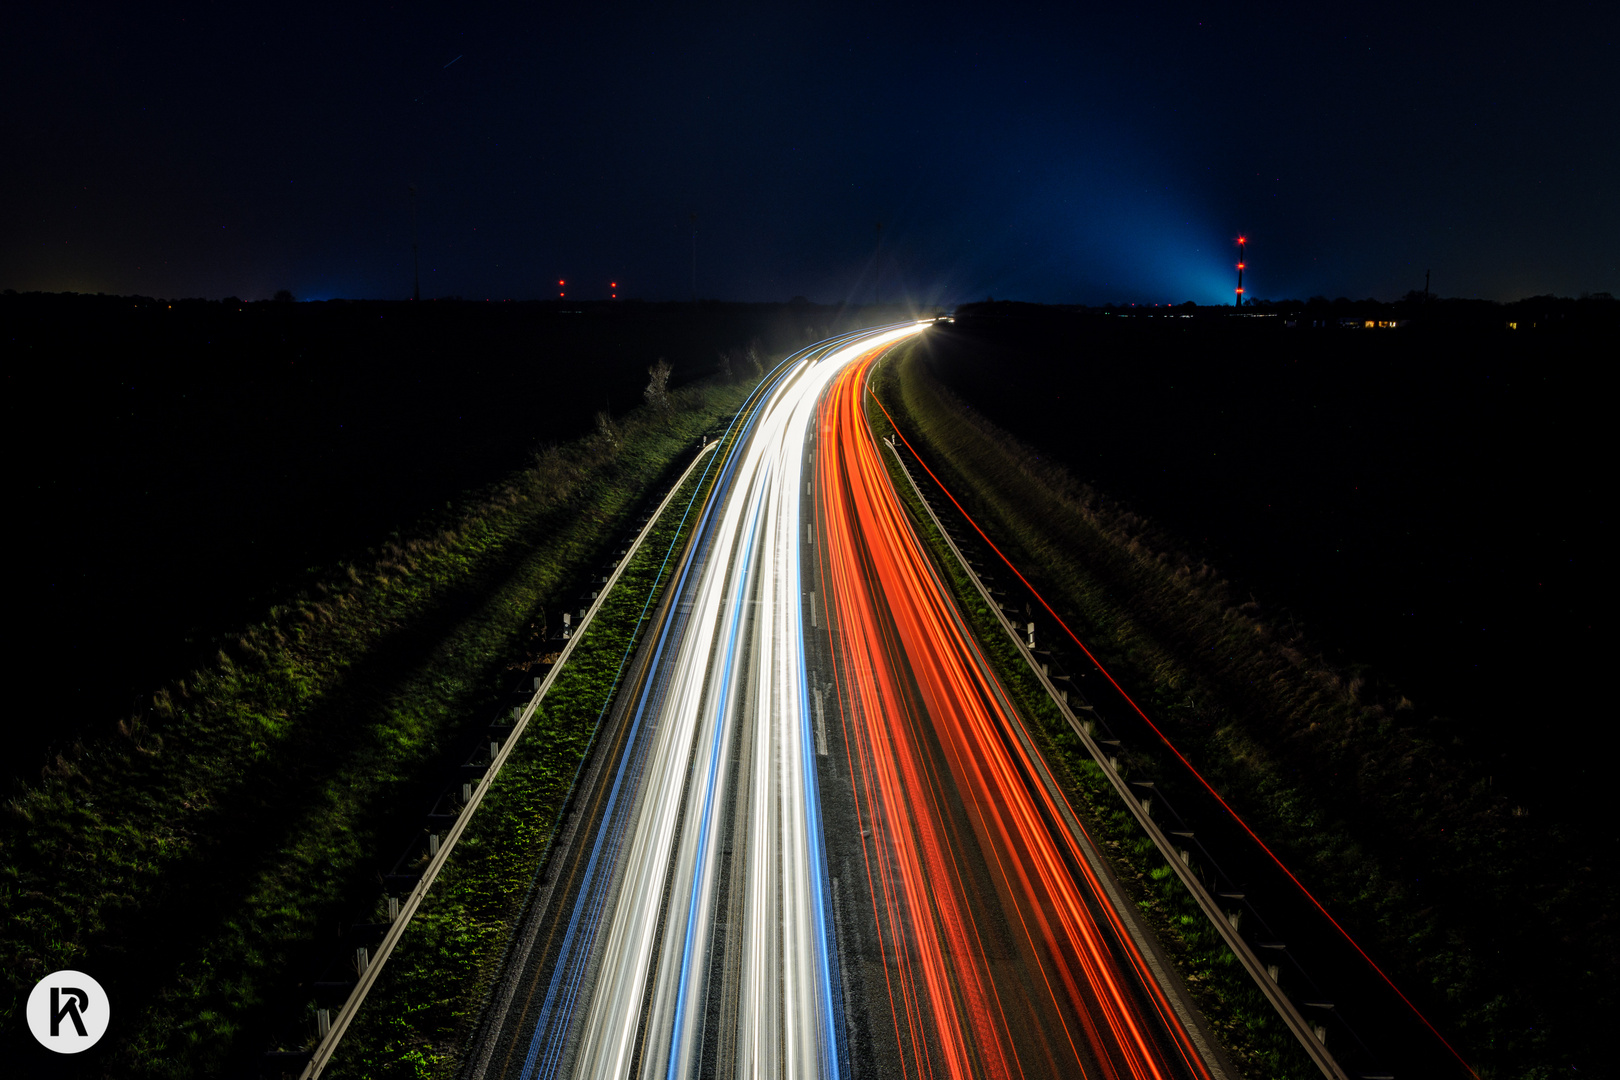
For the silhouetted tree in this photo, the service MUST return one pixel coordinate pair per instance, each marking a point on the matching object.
(283, 296)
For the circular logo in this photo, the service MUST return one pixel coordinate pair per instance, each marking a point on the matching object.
(67, 1012)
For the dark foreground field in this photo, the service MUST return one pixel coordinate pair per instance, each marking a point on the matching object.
(175, 469)
(1427, 504)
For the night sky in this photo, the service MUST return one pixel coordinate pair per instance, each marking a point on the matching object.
(1069, 153)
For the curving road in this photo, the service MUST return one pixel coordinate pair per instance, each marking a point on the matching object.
(1000, 954)
(813, 838)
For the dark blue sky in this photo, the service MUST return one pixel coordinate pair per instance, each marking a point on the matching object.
(1063, 153)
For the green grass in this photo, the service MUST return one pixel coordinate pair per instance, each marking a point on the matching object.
(192, 859)
(1469, 904)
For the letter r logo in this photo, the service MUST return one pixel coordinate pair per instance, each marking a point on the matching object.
(68, 1012)
(77, 1002)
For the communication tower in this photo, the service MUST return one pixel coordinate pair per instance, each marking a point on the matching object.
(1241, 242)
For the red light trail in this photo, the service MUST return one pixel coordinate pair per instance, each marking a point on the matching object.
(1006, 957)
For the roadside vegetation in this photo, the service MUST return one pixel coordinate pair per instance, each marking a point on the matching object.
(420, 1018)
(192, 858)
(1474, 907)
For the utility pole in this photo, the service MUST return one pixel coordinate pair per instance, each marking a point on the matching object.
(1239, 303)
(416, 261)
(694, 256)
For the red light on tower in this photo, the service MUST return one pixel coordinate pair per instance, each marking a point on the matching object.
(1241, 241)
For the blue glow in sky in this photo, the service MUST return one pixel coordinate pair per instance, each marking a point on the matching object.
(1062, 154)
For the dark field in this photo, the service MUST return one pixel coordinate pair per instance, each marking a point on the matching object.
(176, 470)
(1426, 504)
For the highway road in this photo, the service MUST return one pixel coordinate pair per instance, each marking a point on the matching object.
(813, 837)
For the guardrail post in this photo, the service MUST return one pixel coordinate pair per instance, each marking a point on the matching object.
(466, 793)
(433, 844)
(362, 960)
(393, 909)
(323, 1022)
(494, 749)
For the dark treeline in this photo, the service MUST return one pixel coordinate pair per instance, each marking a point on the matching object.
(177, 466)
(1426, 501)
(1593, 312)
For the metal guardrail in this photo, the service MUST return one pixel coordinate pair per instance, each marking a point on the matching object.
(373, 965)
(1314, 1047)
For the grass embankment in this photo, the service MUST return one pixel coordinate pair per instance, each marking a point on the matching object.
(1249, 1030)
(1465, 901)
(188, 859)
(419, 1018)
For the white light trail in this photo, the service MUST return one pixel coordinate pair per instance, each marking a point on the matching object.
(737, 683)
